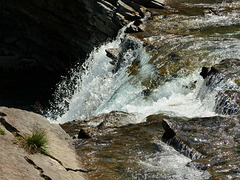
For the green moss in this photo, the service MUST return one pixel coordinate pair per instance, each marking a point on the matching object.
(2, 132)
(36, 142)
(15, 141)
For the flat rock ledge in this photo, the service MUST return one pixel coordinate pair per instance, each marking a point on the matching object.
(16, 163)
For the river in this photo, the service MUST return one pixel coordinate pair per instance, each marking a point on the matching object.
(159, 73)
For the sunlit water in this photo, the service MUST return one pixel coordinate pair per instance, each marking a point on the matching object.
(212, 37)
(101, 91)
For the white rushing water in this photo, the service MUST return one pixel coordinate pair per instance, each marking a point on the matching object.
(101, 91)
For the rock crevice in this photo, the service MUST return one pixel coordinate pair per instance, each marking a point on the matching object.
(38, 168)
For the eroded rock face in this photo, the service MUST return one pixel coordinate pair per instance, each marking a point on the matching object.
(213, 142)
(39, 41)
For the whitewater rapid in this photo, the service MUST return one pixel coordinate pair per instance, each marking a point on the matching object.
(99, 90)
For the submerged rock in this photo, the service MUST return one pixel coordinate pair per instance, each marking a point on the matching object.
(212, 142)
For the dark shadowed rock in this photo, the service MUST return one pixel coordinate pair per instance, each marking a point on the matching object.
(83, 135)
(133, 29)
(151, 3)
(113, 53)
(204, 72)
(40, 41)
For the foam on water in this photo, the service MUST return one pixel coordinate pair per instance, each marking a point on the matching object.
(173, 98)
(94, 77)
(101, 91)
(98, 90)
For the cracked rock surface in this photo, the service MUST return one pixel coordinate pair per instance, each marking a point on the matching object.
(13, 159)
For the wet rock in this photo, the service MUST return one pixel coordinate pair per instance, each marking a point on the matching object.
(149, 46)
(197, 165)
(133, 29)
(92, 126)
(191, 85)
(129, 47)
(215, 139)
(173, 57)
(222, 80)
(204, 72)
(114, 150)
(230, 68)
(146, 92)
(113, 53)
(83, 135)
(228, 102)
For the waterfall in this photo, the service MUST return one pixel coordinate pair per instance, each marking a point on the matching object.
(100, 90)
(157, 74)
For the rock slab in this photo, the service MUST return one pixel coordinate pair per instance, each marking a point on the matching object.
(16, 163)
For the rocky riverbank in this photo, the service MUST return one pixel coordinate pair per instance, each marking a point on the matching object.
(17, 163)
